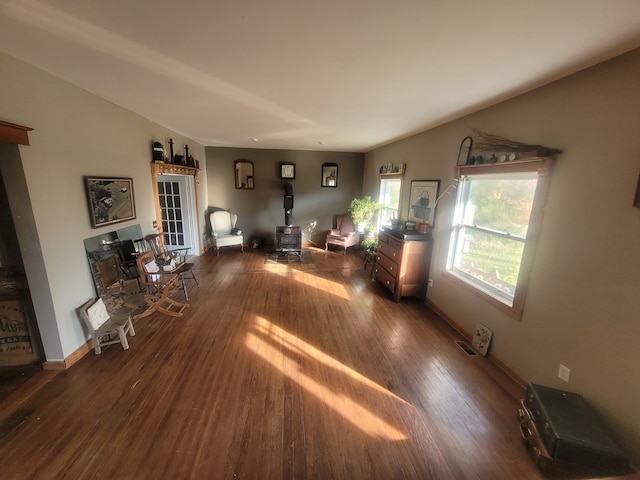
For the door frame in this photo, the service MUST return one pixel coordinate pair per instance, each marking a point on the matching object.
(187, 207)
(168, 169)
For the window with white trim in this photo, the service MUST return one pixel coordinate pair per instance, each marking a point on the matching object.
(492, 239)
(390, 189)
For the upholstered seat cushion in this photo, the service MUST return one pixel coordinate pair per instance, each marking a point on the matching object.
(227, 240)
(349, 238)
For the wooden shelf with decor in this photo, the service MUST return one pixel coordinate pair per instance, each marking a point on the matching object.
(540, 164)
(171, 169)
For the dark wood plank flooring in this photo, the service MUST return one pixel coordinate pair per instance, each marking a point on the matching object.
(274, 372)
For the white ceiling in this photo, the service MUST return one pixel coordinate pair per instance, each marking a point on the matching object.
(337, 75)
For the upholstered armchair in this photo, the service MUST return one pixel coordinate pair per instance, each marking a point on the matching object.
(224, 231)
(344, 235)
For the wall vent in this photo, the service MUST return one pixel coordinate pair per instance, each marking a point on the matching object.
(466, 348)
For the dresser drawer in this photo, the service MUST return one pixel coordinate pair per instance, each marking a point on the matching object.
(385, 278)
(393, 244)
(389, 265)
(391, 251)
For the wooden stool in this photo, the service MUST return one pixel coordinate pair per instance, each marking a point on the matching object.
(369, 257)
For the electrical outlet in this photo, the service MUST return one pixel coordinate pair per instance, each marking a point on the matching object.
(430, 282)
(564, 372)
(155, 224)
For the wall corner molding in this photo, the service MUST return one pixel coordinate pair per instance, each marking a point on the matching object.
(13, 133)
(80, 352)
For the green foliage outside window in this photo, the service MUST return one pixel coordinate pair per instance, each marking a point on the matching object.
(493, 231)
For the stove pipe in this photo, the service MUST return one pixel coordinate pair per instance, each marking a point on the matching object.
(288, 203)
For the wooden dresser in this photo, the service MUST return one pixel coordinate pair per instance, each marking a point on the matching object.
(402, 263)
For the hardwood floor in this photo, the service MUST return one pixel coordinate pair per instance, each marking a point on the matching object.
(275, 371)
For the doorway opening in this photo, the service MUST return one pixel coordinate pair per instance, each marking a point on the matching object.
(20, 342)
(176, 195)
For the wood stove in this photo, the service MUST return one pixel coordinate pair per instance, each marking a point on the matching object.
(288, 238)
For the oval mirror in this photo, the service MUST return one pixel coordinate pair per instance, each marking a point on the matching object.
(465, 151)
(244, 174)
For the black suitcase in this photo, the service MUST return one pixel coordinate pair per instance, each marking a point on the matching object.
(562, 427)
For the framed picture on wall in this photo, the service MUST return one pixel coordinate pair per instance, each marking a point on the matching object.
(288, 171)
(329, 175)
(110, 200)
(422, 201)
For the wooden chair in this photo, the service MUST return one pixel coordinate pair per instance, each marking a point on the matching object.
(109, 274)
(158, 285)
(164, 256)
(106, 329)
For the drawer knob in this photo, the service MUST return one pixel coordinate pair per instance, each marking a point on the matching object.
(387, 282)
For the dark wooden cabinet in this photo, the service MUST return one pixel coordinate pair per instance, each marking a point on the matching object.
(402, 263)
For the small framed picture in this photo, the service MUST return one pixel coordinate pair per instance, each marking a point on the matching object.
(329, 175)
(288, 171)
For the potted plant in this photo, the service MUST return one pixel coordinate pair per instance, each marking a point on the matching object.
(364, 213)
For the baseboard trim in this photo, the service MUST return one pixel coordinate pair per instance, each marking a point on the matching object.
(492, 357)
(71, 359)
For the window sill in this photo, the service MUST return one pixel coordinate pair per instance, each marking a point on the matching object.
(513, 311)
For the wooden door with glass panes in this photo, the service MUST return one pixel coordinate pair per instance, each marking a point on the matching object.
(175, 212)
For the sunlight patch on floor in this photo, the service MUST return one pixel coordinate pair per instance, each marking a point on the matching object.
(328, 286)
(273, 344)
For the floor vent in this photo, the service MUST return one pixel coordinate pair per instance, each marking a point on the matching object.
(466, 348)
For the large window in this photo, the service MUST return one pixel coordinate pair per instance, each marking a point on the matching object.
(492, 238)
(390, 189)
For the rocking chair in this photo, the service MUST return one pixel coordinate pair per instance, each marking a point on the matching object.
(158, 284)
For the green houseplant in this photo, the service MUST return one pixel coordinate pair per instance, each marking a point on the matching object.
(364, 213)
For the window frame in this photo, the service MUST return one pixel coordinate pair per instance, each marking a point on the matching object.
(389, 178)
(540, 166)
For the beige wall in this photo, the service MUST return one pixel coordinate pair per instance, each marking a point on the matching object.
(583, 303)
(261, 210)
(75, 134)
